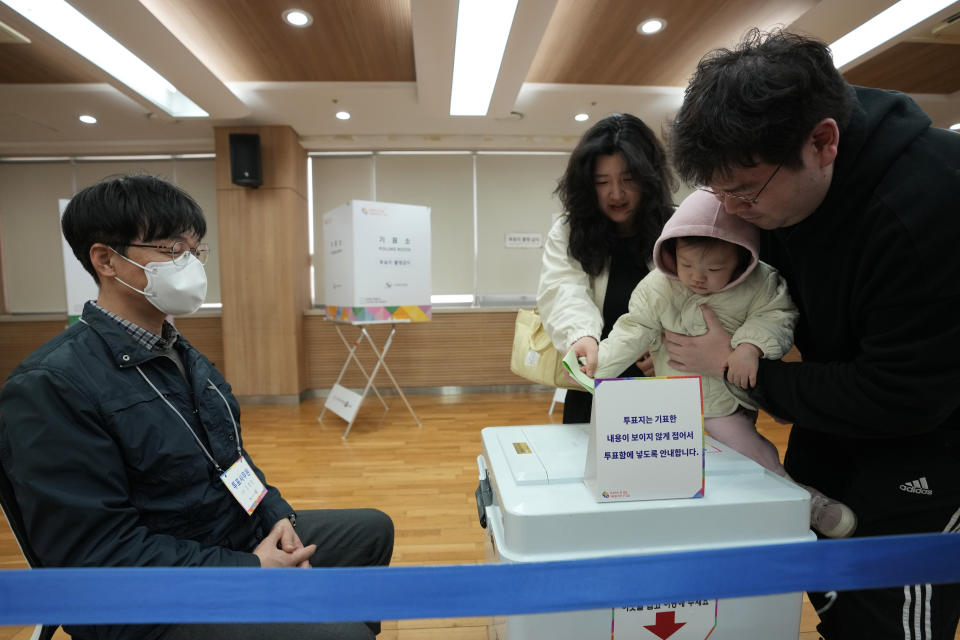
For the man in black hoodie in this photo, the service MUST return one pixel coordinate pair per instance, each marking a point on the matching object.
(858, 195)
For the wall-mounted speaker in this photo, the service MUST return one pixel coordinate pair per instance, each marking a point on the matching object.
(245, 167)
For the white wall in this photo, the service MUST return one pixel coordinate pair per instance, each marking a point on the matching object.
(474, 199)
(514, 194)
(30, 221)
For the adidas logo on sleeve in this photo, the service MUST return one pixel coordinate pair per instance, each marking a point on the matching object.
(917, 486)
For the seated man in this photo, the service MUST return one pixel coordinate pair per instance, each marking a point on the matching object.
(123, 443)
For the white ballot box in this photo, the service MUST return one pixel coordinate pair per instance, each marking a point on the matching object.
(541, 510)
(376, 262)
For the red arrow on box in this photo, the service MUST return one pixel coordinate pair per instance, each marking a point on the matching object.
(665, 625)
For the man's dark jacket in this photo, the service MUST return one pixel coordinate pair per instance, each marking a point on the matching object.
(107, 475)
(875, 272)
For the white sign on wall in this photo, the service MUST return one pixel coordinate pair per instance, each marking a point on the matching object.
(518, 240)
(646, 439)
(377, 262)
(79, 284)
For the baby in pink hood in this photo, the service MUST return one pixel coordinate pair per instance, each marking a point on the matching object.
(706, 257)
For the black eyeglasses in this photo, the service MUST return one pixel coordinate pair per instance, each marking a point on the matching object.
(749, 199)
(180, 250)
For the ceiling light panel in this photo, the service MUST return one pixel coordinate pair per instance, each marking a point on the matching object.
(73, 29)
(882, 27)
(482, 30)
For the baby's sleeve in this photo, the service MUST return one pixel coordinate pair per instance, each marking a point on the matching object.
(634, 332)
(771, 319)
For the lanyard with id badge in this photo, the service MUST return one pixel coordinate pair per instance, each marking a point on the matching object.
(239, 478)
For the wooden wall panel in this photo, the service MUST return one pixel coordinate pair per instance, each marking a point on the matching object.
(260, 283)
(460, 349)
(264, 266)
(259, 267)
(469, 348)
(19, 338)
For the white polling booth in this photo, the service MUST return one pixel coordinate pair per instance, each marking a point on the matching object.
(376, 262)
(541, 510)
(377, 270)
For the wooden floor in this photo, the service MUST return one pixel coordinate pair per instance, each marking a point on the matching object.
(424, 478)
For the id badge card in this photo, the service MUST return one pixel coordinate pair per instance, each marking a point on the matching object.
(244, 484)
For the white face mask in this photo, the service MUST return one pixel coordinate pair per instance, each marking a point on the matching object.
(173, 289)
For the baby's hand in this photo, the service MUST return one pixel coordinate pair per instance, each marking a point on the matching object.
(742, 365)
(586, 349)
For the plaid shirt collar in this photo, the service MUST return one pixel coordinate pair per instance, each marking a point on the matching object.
(144, 338)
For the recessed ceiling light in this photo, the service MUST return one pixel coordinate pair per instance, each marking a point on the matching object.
(580, 117)
(955, 126)
(343, 115)
(297, 17)
(86, 119)
(651, 26)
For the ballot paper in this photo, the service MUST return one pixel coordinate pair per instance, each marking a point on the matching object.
(573, 368)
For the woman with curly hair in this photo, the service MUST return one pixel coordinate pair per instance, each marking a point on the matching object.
(616, 195)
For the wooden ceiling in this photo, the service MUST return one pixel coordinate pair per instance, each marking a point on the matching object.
(43, 61)
(247, 41)
(568, 57)
(372, 41)
(571, 51)
(912, 67)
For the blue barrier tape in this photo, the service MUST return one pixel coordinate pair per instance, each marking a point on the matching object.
(142, 595)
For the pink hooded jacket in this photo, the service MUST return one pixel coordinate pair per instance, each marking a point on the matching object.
(701, 214)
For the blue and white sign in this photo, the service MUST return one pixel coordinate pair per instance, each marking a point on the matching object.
(646, 439)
